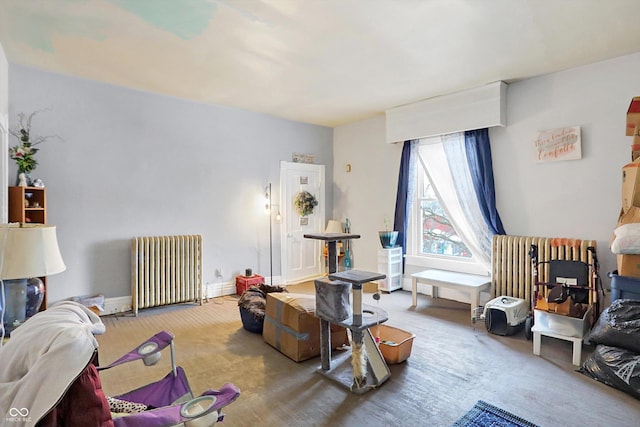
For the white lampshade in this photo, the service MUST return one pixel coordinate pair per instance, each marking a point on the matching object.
(333, 226)
(29, 250)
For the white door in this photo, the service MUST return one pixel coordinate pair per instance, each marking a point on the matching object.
(302, 258)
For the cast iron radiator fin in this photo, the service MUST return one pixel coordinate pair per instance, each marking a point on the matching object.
(512, 272)
(165, 270)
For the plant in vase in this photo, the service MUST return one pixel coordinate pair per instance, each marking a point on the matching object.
(24, 153)
(388, 238)
(305, 203)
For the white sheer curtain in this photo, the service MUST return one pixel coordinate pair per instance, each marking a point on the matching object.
(446, 167)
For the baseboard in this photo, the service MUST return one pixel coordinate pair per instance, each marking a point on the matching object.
(219, 289)
(211, 290)
(116, 305)
(277, 280)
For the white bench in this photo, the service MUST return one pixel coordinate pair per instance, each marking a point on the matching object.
(471, 283)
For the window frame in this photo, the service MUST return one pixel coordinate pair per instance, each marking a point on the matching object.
(414, 256)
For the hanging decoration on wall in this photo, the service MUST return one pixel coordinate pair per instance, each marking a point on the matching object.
(305, 203)
(303, 158)
(558, 144)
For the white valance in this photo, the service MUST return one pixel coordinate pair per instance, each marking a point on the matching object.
(477, 108)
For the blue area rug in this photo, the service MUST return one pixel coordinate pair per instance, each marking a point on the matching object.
(484, 414)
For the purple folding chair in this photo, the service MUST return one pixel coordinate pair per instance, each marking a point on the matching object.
(171, 396)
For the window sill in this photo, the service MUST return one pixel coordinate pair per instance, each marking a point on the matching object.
(444, 263)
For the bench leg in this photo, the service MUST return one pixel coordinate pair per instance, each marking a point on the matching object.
(414, 292)
(475, 302)
(536, 343)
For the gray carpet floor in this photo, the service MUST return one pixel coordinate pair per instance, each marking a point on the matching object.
(453, 364)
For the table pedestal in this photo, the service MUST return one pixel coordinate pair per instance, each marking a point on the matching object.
(332, 255)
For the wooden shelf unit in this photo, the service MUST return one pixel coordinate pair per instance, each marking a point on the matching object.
(22, 208)
(28, 204)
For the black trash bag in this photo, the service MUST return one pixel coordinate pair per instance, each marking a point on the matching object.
(253, 300)
(616, 367)
(253, 303)
(619, 326)
(267, 289)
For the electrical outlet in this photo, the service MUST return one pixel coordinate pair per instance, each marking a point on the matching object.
(219, 272)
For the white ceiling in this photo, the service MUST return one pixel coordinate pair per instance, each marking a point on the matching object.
(326, 62)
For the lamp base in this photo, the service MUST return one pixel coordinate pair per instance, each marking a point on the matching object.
(14, 311)
(35, 296)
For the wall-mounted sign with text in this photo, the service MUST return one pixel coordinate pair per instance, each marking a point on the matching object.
(558, 144)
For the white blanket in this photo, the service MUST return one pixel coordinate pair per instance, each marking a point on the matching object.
(42, 358)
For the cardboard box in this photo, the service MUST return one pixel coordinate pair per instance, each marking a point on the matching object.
(635, 148)
(243, 282)
(628, 265)
(630, 216)
(630, 185)
(633, 116)
(291, 327)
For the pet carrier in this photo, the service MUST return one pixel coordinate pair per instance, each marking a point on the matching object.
(505, 315)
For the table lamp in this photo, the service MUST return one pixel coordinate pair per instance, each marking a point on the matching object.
(333, 226)
(26, 251)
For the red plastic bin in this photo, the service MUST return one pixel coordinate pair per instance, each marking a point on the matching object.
(243, 282)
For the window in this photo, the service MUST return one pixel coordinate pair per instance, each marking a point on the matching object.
(446, 227)
(436, 236)
(432, 241)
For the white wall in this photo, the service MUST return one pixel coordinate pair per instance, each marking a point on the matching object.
(577, 199)
(4, 119)
(136, 164)
(367, 194)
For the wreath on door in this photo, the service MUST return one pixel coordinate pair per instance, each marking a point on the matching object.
(305, 202)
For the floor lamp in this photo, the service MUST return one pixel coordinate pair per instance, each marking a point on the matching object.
(270, 238)
(26, 251)
(269, 208)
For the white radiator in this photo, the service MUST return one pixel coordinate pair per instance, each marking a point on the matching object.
(512, 273)
(165, 270)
